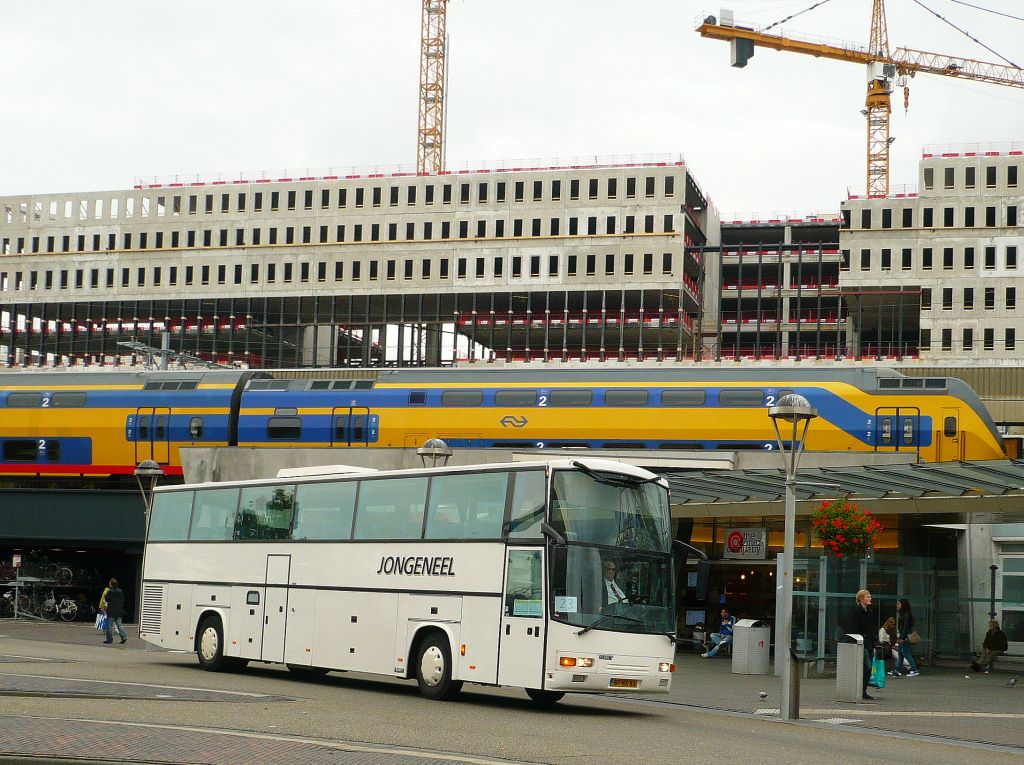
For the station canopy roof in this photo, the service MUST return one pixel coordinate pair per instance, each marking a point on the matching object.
(995, 486)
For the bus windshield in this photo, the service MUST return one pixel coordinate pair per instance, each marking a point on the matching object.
(615, 570)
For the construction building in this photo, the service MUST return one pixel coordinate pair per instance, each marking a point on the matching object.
(553, 263)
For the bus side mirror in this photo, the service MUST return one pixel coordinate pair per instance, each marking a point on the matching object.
(552, 534)
(703, 575)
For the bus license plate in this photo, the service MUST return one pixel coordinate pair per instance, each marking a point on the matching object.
(619, 682)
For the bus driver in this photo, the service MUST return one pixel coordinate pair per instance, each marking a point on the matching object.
(611, 593)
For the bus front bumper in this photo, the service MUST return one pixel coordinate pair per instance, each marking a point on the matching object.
(617, 674)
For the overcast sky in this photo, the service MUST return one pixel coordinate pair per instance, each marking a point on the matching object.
(98, 94)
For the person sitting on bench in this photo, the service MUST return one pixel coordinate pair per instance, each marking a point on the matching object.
(993, 646)
(724, 634)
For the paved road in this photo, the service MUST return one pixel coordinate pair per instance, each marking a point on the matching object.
(62, 694)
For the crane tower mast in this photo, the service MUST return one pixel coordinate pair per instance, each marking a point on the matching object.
(433, 63)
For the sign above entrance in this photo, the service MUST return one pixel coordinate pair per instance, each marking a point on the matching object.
(746, 544)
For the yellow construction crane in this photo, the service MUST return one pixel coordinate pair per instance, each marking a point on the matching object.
(884, 66)
(433, 61)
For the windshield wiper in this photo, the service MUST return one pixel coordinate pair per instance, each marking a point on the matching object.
(617, 481)
(605, 618)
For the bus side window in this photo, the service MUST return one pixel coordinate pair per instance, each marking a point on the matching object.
(252, 598)
(528, 503)
(523, 587)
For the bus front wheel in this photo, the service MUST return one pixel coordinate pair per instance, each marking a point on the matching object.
(544, 698)
(434, 669)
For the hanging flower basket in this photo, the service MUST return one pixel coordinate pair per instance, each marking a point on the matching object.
(843, 528)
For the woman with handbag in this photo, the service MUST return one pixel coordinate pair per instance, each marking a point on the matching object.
(905, 636)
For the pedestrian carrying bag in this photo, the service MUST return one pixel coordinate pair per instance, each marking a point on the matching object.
(878, 673)
(913, 638)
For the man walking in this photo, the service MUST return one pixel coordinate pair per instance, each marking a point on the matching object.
(860, 623)
(115, 612)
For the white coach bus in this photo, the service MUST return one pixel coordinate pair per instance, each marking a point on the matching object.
(550, 576)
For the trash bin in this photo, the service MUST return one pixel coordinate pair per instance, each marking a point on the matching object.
(850, 668)
(751, 640)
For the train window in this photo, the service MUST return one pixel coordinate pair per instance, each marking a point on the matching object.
(342, 385)
(913, 382)
(949, 426)
(160, 427)
(188, 385)
(683, 397)
(195, 428)
(24, 400)
(21, 450)
(741, 397)
(417, 398)
(888, 382)
(935, 383)
(284, 427)
(885, 428)
(53, 451)
(68, 400)
(908, 430)
(631, 397)
(359, 427)
(682, 447)
(269, 384)
(462, 398)
(363, 384)
(143, 429)
(515, 398)
(571, 398)
(320, 385)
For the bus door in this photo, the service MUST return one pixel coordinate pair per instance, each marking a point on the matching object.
(275, 608)
(523, 621)
(153, 434)
(898, 429)
(352, 426)
(950, 441)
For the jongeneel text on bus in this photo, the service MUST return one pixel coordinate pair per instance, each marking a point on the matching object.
(417, 565)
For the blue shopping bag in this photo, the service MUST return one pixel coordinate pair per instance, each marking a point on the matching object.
(878, 673)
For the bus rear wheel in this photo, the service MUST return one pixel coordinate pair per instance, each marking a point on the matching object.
(544, 698)
(434, 669)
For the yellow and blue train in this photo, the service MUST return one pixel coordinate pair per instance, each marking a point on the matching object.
(105, 423)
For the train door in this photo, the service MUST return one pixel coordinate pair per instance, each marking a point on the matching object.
(152, 434)
(521, 642)
(949, 439)
(353, 426)
(898, 429)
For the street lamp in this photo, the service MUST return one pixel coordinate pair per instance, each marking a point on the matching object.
(795, 413)
(435, 450)
(148, 470)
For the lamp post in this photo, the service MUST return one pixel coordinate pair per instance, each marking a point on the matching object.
(795, 413)
(147, 473)
(435, 450)
(150, 471)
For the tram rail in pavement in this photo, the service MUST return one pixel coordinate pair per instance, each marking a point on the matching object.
(947, 702)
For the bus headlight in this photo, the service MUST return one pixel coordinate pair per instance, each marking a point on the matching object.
(584, 661)
(666, 667)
